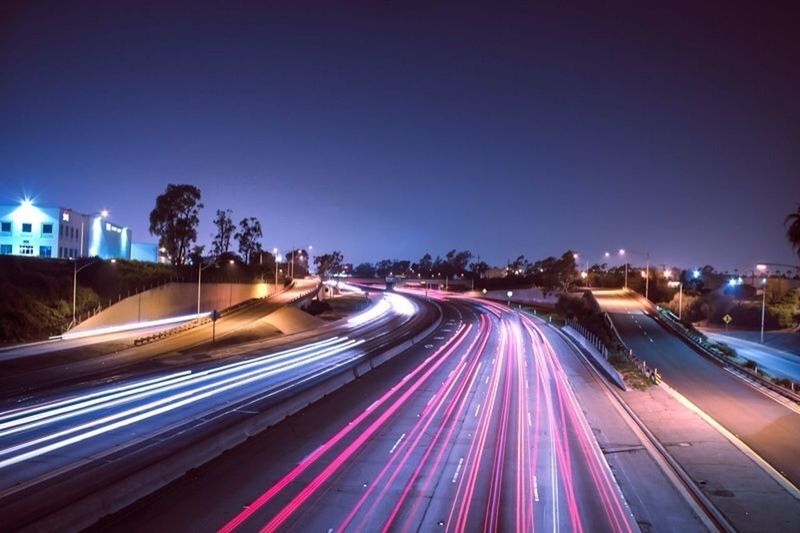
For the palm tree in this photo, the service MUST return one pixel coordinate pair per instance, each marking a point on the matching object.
(792, 221)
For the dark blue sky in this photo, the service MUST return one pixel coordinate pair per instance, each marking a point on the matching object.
(388, 129)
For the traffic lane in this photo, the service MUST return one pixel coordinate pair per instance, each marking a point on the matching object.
(149, 408)
(39, 499)
(652, 497)
(380, 472)
(265, 458)
(767, 426)
(96, 361)
(776, 362)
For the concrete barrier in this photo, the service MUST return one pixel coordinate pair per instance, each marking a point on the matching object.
(174, 299)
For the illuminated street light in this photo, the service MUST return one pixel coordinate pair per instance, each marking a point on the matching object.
(484, 291)
(696, 274)
(622, 253)
(509, 294)
(104, 213)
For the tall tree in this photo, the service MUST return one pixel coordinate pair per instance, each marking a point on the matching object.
(426, 265)
(792, 223)
(249, 237)
(329, 264)
(225, 228)
(175, 219)
(364, 270)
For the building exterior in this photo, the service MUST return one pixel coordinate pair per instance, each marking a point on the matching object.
(57, 232)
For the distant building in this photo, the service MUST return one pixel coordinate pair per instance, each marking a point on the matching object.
(56, 232)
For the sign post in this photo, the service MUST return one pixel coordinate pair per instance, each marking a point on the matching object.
(214, 316)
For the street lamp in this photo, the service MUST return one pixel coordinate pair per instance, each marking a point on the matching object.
(509, 294)
(75, 271)
(622, 253)
(646, 276)
(199, 279)
(763, 268)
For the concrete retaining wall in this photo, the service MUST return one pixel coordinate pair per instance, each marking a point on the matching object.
(174, 299)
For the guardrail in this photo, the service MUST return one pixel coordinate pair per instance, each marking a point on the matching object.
(701, 345)
(651, 373)
(588, 335)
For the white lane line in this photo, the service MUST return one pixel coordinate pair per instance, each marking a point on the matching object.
(535, 489)
(478, 408)
(396, 444)
(458, 469)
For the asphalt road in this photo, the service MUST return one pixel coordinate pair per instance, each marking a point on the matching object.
(769, 427)
(74, 362)
(776, 362)
(53, 435)
(475, 428)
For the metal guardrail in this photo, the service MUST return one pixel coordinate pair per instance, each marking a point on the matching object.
(588, 335)
(651, 373)
(700, 344)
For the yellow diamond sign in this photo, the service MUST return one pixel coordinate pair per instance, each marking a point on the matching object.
(727, 319)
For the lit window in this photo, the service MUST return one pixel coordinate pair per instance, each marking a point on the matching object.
(47, 229)
(26, 249)
(27, 227)
(45, 251)
(5, 249)
(5, 227)
(65, 216)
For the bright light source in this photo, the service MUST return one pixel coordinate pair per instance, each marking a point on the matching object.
(696, 274)
(484, 291)
(739, 280)
(230, 261)
(667, 274)
(26, 202)
(104, 213)
(574, 256)
(510, 294)
(584, 275)
(113, 260)
(761, 267)
(607, 254)
(621, 251)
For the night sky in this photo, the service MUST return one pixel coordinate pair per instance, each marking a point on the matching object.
(388, 129)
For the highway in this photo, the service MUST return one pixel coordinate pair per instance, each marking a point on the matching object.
(776, 362)
(53, 438)
(474, 429)
(768, 426)
(75, 361)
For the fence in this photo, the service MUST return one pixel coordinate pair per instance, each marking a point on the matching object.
(651, 373)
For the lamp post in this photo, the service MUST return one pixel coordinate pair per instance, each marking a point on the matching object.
(199, 279)
(75, 271)
(646, 256)
(763, 268)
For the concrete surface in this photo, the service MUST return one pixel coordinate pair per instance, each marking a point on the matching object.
(174, 299)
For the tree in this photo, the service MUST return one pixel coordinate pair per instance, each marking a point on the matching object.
(225, 228)
(792, 221)
(479, 268)
(329, 264)
(249, 236)
(425, 265)
(364, 270)
(175, 219)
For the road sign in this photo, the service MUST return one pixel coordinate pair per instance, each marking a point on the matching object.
(727, 319)
(214, 315)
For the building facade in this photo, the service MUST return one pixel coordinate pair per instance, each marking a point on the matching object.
(56, 232)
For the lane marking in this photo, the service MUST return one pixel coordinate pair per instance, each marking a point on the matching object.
(396, 444)
(458, 469)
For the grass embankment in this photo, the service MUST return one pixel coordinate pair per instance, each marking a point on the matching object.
(36, 294)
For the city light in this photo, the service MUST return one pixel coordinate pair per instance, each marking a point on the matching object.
(104, 213)
(696, 274)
